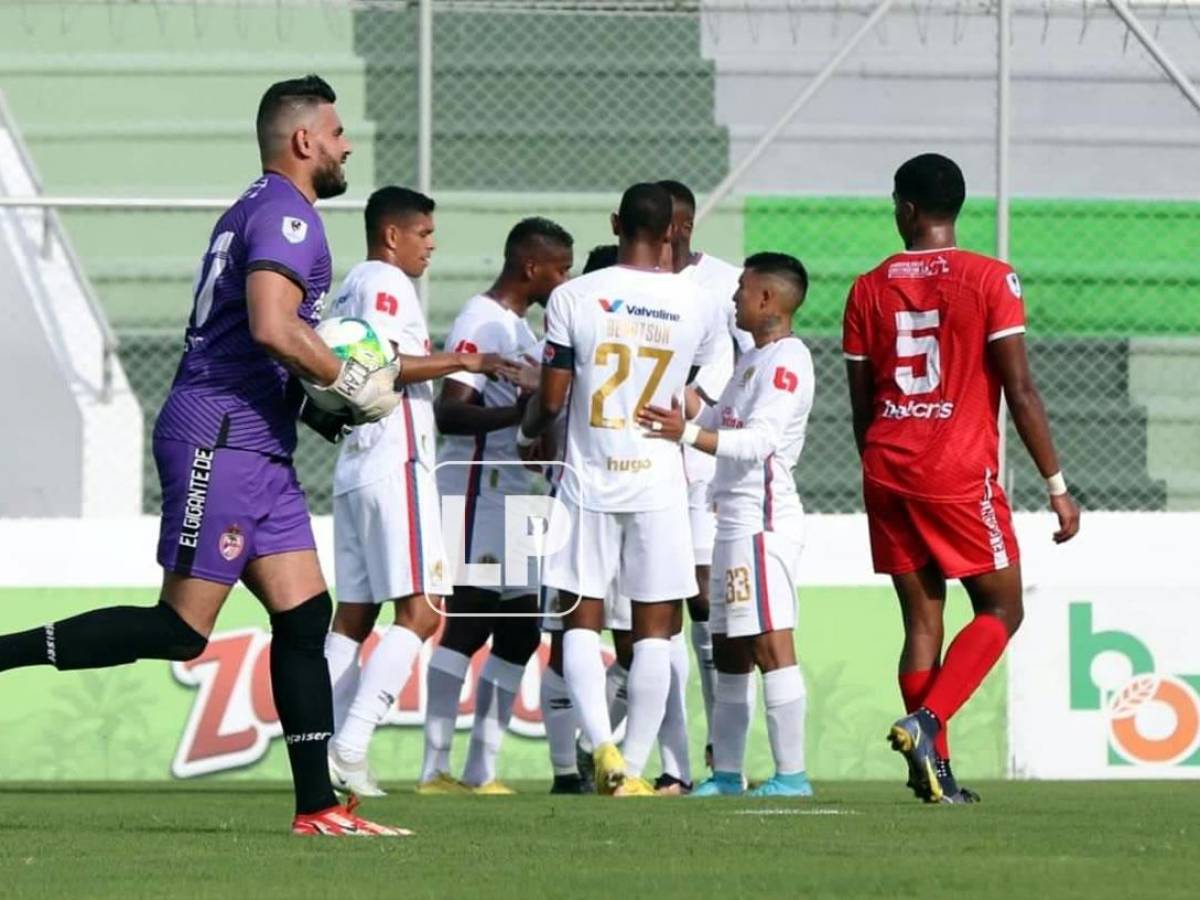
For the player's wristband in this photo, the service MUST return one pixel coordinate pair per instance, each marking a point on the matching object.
(1056, 484)
(524, 441)
(691, 432)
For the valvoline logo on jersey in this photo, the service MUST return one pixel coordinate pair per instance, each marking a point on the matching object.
(633, 309)
(1153, 717)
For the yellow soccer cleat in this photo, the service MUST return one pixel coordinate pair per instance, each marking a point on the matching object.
(492, 789)
(636, 787)
(610, 768)
(441, 783)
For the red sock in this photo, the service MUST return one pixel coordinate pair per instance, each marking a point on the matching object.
(914, 686)
(971, 656)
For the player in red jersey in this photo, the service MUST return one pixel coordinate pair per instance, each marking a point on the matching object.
(931, 337)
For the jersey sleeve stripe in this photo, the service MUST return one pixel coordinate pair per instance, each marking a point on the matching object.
(856, 358)
(270, 265)
(1005, 332)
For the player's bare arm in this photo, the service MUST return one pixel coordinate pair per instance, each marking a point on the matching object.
(459, 410)
(1028, 413)
(861, 382)
(438, 365)
(272, 300)
(544, 407)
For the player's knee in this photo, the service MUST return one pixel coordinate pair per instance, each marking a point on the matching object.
(180, 641)
(306, 625)
(698, 606)
(419, 614)
(355, 620)
(515, 640)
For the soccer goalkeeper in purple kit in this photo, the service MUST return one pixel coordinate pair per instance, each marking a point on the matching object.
(232, 508)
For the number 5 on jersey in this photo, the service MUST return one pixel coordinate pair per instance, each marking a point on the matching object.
(909, 345)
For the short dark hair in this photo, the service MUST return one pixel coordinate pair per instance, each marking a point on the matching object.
(679, 192)
(394, 202)
(781, 265)
(933, 184)
(535, 230)
(600, 257)
(645, 209)
(287, 96)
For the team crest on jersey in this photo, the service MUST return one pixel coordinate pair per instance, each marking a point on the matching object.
(1014, 284)
(294, 230)
(231, 544)
(437, 571)
(747, 375)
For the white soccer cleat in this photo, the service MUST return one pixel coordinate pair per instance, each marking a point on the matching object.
(353, 778)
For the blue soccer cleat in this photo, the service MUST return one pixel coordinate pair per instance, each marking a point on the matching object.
(907, 736)
(722, 784)
(794, 785)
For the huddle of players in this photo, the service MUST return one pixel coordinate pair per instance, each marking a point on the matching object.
(931, 338)
(623, 341)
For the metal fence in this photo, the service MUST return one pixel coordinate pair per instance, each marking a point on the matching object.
(792, 114)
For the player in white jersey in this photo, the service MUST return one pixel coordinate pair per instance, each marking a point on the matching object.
(618, 339)
(756, 432)
(386, 519)
(478, 468)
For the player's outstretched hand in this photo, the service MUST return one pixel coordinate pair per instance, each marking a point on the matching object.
(666, 424)
(526, 374)
(1067, 511)
(369, 396)
(489, 364)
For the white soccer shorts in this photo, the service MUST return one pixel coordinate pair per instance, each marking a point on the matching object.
(703, 518)
(618, 611)
(645, 556)
(387, 539)
(753, 586)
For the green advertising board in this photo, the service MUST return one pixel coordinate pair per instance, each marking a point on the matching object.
(213, 717)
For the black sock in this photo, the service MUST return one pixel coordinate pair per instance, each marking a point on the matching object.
(112, 636)
(304, 698)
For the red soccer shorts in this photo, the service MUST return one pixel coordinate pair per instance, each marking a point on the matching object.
(964, 538)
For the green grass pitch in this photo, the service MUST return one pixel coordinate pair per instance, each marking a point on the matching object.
(856, 839)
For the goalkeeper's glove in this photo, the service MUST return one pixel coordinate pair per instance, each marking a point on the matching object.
(369, 394)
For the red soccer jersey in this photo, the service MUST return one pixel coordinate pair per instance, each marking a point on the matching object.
(923, 320)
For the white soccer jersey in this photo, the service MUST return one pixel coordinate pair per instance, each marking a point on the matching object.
(484, 326)
(720, 279)
(385, 297)
(767, 401)
(635, 334)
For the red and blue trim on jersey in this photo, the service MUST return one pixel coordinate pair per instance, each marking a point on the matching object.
(761, 595)
(768, 495)
(416, 552)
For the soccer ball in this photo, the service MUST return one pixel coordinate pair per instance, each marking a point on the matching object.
(349, 338)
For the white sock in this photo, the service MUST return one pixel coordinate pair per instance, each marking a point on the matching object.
(702, 644)
(341, 654)
(558, 715)
(584, 673)
(673, 735)
(443, 687)
(616, 684)
(733, 703)
(649, 685)
(786, 699)
(494, 698)
(382, 678)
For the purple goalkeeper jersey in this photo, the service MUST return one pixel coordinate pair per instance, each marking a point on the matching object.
(227, 391)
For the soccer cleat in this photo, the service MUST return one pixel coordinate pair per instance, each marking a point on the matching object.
(492, 789)
(670, 786)
(340, 821)
(961, 796)
(633, 786)
(610, 768)
(585, 763)
(722, 784)
(571, 784)
(795, 785)
(441, 783)
(352, 778)
(908, 737)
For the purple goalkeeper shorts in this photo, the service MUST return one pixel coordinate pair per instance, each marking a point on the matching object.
(222, 508)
